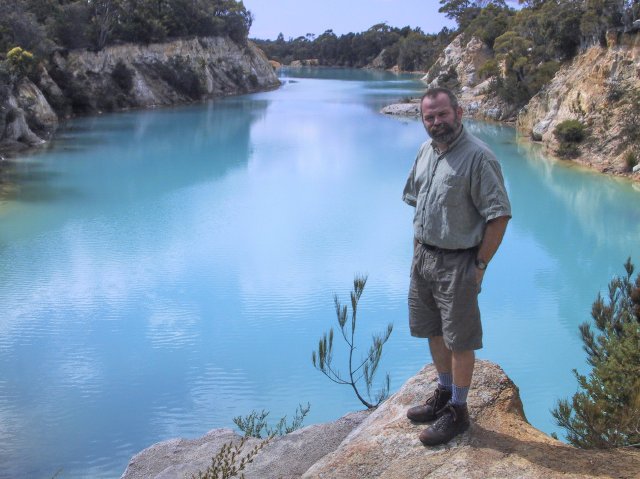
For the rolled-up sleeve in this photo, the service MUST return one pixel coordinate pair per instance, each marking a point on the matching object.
(488, 189)
(412, 188)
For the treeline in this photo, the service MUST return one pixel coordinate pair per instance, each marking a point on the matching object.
(40, 26)
(529, 43)
(409, 49)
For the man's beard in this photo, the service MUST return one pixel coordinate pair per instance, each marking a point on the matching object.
(444, 133)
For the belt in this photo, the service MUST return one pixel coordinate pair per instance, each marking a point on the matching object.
(437, 249)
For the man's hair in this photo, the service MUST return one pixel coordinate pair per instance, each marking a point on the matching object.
(434, 92)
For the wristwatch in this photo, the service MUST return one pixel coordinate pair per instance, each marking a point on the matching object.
(480, 264)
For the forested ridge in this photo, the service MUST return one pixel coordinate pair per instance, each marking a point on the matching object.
(41, 26)
(529, 42)
(60, 58)
(410, 49)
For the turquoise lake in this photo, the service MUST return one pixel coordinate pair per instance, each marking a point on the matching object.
(165, 271)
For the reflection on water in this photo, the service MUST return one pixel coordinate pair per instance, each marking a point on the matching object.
(155, 263)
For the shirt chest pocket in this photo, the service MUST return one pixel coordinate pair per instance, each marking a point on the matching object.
(453, 190)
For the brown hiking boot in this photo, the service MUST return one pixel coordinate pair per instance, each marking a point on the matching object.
(452, 420)
(427, 412)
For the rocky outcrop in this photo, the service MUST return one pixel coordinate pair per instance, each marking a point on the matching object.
(310, 62)
(457, 68)
(130, 76)
(384, 444)
(23, 112)
(597, 88)
(159, 74)
(411, 108)
(283, 457)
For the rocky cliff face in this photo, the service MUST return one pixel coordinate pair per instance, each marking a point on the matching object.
(384, 444)
(26, 118)
(458, 68)
(600, 89)
(129, 76)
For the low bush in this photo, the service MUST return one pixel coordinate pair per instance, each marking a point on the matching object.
(605, 412)
(490, 68)
(570, 131)
(255, 423)
(20, 62)
(229, 462)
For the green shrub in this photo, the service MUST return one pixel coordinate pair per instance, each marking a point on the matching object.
(21, 62)
(570, 131)
(605, 412)
(489, 68)
(510, 89)
(322, 359)
(255, 423)
(229, 462)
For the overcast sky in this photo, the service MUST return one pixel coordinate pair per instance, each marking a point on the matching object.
(298, 17)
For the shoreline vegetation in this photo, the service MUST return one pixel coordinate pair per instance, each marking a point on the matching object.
(537, 66)
(59, 60)
(506, 64)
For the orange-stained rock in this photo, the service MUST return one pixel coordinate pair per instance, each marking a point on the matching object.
(595, 89)
(499, 444)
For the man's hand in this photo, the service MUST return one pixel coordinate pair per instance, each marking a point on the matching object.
(479, 276)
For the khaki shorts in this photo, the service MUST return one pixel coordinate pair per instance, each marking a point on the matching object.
(443, 298)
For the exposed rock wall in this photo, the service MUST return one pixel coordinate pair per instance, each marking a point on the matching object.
(458, 68)
(23, 109)
(384, 444)
(309, 62)
(595, 89)
(284, 457)
(130, 76)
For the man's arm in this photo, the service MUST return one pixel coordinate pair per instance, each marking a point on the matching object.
(492, 238)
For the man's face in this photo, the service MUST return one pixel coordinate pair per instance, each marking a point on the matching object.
(440, 120)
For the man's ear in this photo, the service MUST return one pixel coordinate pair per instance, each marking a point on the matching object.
(459, 111)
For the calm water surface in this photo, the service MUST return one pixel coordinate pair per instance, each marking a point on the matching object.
(164, 271)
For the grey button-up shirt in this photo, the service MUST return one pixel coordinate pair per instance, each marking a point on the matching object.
(455, 193)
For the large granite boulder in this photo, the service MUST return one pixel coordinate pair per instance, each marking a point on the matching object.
(499, 444)
(384, 444)
(283, 457)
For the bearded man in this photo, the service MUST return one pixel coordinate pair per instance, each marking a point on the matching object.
(461, 214)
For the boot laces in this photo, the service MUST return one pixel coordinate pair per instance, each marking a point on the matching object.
(448, 410)
(434, 398)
